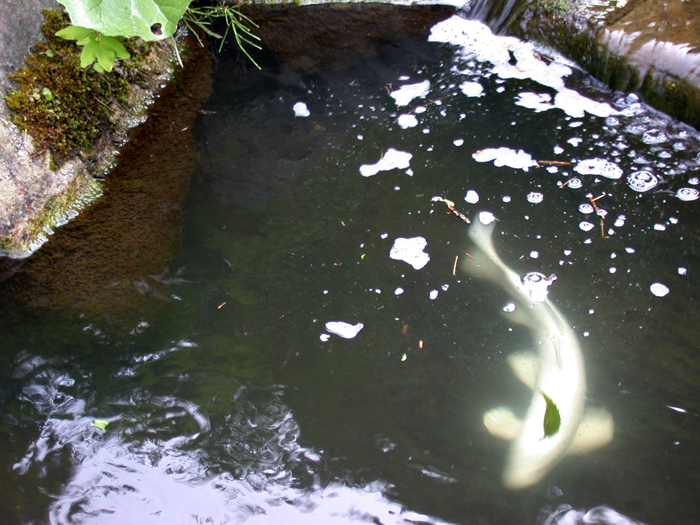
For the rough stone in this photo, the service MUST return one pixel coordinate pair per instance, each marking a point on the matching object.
(27, 185)
(34, 199)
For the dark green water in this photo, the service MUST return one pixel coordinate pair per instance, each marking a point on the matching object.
(225, 404)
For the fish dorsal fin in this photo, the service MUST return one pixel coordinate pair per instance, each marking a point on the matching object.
(525, 366)
(595, 431)
(502, 423)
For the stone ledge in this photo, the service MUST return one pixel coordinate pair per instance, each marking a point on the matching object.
(34, 199)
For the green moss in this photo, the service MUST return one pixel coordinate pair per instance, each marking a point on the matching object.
(550, 6)
(64, 107)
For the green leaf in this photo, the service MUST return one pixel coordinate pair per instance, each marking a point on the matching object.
(111, 43)
(47, 94)
(100, 423)
(105, 57)
(89, 54)
(134, 18)
(552, 418)
(75, 33)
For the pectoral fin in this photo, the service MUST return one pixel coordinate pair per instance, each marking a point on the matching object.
(595, 431)
(525, 366)
(502, 423)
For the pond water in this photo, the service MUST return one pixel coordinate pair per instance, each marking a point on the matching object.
(239, 401)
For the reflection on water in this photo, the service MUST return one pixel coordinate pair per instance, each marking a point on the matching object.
(297, 372)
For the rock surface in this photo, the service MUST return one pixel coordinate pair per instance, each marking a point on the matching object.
(30, 193)
(34, 199)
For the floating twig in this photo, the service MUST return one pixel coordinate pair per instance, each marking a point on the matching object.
(557, 162)
(472, 258)
(451, 206)
(454, 268)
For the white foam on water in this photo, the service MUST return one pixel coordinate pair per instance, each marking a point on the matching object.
(477, 42)
(586, 226)
(392, 159)
(472, 89)
(407, 121)
(301, 110)
(410, 251)
(472, 197)
(601, 167)
(343, 329)
(405, 94)
(486, 217)
(586, 208)
(659, 290)
(505, 157)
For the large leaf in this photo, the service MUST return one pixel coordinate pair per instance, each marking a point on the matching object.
(148, 19)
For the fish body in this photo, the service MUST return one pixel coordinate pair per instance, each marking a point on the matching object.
(554, 369)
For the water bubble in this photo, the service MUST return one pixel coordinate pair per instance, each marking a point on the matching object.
(612, 269)
(458, 142)
(433, 295)
(586, 208)
(654, 136)
(660, 227)
(642, 181)
(586, 226)
(472, 197)
(534, 254)
(601, 167)
(659, 290)
(620, 221)
(398, 291)
(688, 194)
(536, 284)
(663, 154)
(506, 198)
(612, 121)
(694, 181)
(575, 183)
(535, 197)
(682, 271)
(510, 307)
